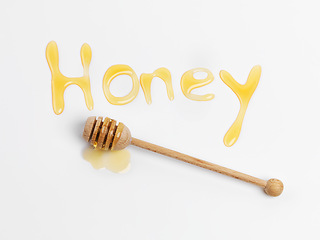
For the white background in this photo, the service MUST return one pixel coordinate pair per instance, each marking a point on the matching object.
(48, 191)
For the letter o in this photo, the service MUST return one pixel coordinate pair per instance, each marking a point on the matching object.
(111, 74)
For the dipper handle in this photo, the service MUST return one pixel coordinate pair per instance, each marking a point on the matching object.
(272, 187)
(106, 134)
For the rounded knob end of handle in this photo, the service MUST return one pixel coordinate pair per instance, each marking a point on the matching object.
(274, 187)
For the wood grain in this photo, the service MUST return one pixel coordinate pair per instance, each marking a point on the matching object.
(198, 162)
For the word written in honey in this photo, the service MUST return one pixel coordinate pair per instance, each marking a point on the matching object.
(188, 83)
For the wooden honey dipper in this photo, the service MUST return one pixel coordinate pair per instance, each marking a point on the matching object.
(107, 135)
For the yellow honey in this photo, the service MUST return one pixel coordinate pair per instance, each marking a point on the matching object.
(146, 79)
(244, 93)
(59, 82)
(111, 74)
(115, 161)
(188, 83)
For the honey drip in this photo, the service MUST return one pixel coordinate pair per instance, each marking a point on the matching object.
(59, 82)
(112, 73)
(146, 79)
(115, 161)
(188, 83)
(244, 93)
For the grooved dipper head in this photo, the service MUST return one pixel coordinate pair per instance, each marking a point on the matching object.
(106, 134)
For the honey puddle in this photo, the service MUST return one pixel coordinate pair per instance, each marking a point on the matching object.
(188, 83)
(59, 82)
(244, 93)
(115, 161)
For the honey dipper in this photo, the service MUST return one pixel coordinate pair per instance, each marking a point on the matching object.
(108, 135)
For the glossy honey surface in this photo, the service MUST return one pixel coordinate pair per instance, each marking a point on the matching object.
(59, 82)
(146, 80)
(189, 82)
(244, 93)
